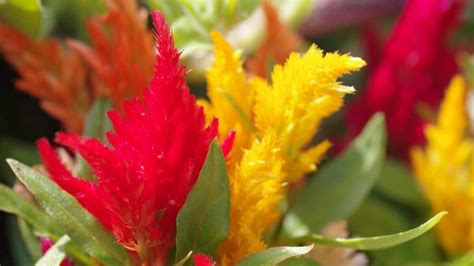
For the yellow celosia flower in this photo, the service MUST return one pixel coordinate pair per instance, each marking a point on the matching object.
(274, 126)
(445, 170)
(256, 189)
(304, 91)
(231, 94)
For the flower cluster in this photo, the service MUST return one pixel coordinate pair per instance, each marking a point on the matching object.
(445, 169)
(415, 67)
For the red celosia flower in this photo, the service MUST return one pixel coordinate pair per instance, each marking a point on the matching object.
(156, 153)
(202, 260)
(414, 69)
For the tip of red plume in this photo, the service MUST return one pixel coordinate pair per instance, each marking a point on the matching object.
(227, 144)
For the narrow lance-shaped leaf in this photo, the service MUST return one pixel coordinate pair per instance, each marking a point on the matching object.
(97, 124)
(275, 255)
(31, 241)
(203, 221)
(376, 242)
(340, 186)
(377, 216)
(77, 222)
(11, 202)
(395, 175)
(55, 255)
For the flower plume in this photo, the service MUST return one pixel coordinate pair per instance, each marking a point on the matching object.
(156, 151)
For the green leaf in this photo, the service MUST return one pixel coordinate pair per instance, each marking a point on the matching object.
(340, 186)
(30, 240)
(55, 255)
(203, 221)
(22, 14)
(376, 242)
(97, 124)
(14, 148)
(465, 260)
(376, 216)
(76, 222)
(275, 255)
(18, 250)
(13, 203)
(395, 176)
(67, 18)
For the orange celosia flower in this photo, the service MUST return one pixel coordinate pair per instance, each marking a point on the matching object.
(122, 53)
(280, 41)
(51, 73)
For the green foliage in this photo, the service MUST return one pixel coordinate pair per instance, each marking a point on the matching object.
(398, 184)
(13, 203)
(30, 240)
(376, 217)
(22, 14)
(97, 122)
(275, 255)
(68, 18)
(242, 22)
(76, 222)
(203, 221)
(376, 242)
(340, 186)
(55, 255)
(96, 125)
(13, 148)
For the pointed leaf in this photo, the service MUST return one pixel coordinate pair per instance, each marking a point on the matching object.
(31, 241)
(55, 255)
(275, 255)
(203, 221)
(97, 124)
(376, 242)
(340, 186)
(76, 222)
(395, 175)
(377, 216)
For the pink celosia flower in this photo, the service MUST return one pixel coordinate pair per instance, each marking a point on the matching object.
(157, 150)
(414, 69)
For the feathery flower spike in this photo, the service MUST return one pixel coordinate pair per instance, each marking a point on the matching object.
(415, 67)
(157, 150)
(445, 170)
(274, 125)
(51, 73)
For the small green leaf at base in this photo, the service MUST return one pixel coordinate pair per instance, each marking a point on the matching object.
(203, 221)
(76, 221)
(376, 242)
(55, 255)
(275, 255)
